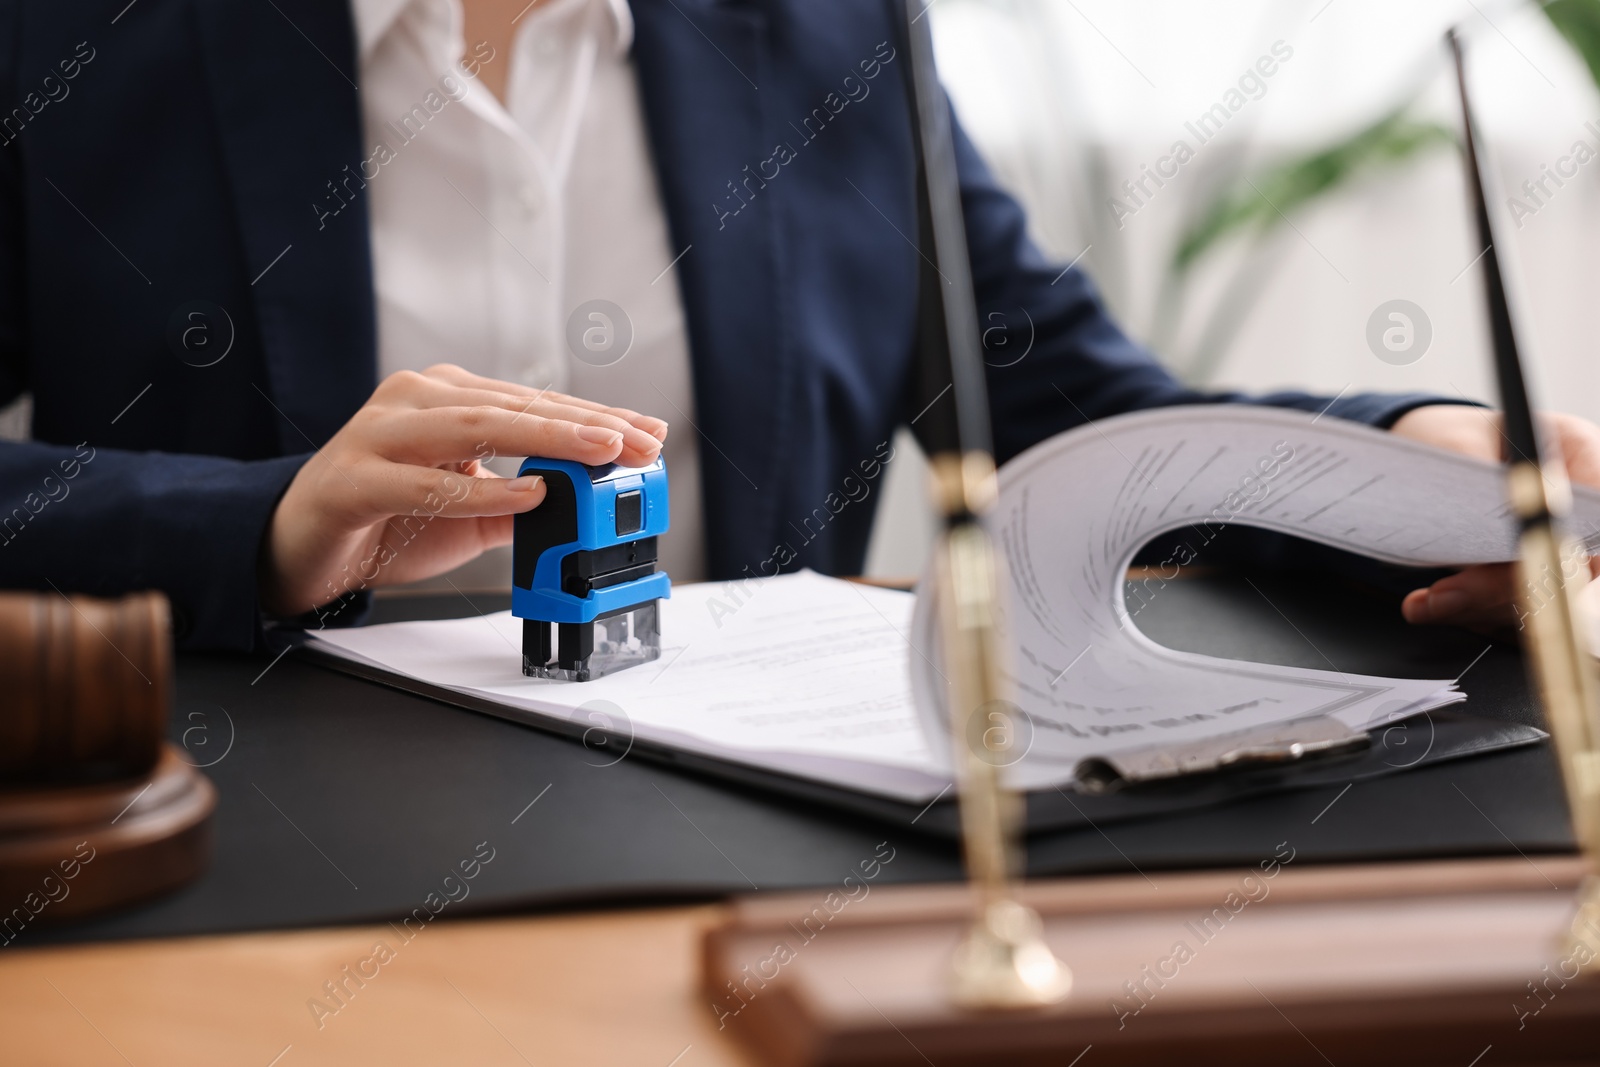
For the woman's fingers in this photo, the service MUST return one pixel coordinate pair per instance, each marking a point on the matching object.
(408, 389)
(460, 377)
(1580, 448)
(414, 494)
(1480, 597)
(433, 436)
(651, 425)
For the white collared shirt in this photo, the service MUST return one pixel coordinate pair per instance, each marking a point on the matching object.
(495, 229)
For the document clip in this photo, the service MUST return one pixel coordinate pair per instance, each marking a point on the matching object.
(1270, 745)
(584, 563)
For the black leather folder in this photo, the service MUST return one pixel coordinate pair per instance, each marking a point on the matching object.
(1451, 733)
(343, 801)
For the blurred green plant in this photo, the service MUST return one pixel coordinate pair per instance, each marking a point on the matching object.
(1264, 200)
(1254, 208)
(1579, 22)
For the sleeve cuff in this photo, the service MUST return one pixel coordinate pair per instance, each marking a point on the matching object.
(1383, 410)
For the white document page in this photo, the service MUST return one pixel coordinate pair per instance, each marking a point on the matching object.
(800, 673)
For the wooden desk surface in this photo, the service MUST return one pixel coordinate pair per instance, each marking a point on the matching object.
(605, 988)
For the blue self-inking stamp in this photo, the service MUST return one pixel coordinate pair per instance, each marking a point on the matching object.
(584, 578)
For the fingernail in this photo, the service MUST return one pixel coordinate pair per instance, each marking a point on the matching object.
(525, 484)
(1447, 602)
(644, 442)
(599, 435)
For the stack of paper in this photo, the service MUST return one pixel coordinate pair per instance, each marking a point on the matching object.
(801, 674)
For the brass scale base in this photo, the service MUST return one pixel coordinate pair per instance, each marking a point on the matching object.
(1452, 962)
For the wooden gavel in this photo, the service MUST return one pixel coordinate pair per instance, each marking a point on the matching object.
(85, 685)
(96, 809)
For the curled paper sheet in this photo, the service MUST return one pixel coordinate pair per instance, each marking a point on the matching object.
(1074, 510)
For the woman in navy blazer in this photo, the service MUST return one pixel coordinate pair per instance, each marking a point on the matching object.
(158, 172)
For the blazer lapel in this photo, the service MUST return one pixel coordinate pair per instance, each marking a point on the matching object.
(700, 64)
(283, 83)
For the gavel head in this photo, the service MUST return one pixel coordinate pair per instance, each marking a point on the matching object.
(85, 687)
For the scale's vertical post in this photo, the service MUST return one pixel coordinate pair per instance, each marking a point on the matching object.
(1003, 962)
(1552, 568)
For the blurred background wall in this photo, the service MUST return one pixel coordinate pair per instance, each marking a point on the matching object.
(1070, 98)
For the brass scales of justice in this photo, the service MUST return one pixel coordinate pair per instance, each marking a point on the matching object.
(1475, 961)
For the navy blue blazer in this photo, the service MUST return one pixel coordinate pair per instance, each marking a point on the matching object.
(181, 156)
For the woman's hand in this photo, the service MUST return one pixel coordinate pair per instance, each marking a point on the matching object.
(399, 493)
(1484, 597)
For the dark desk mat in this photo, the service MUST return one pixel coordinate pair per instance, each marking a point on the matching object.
(344, 801)
(1433, 737)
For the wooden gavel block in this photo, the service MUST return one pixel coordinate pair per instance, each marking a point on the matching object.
(96, 809)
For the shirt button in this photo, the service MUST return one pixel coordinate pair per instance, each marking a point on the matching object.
(528, 197)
